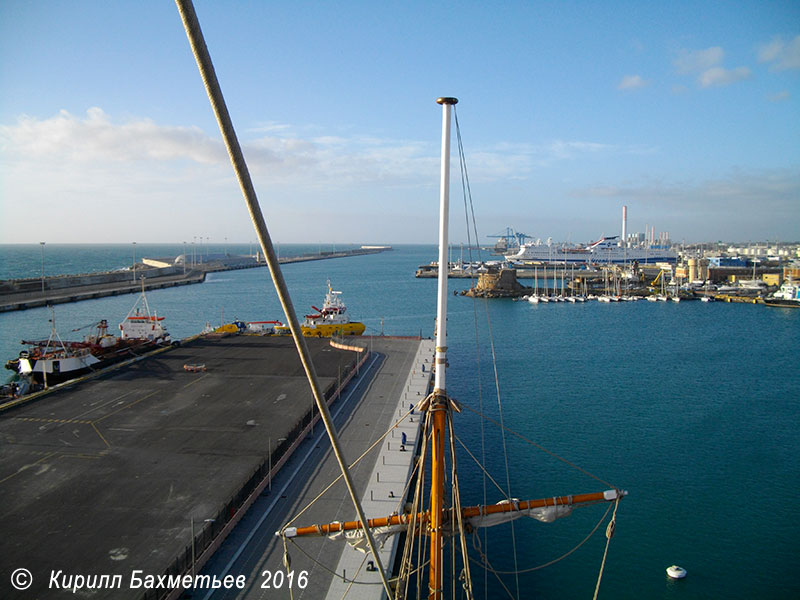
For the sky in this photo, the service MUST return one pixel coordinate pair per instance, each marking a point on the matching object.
(685, 112)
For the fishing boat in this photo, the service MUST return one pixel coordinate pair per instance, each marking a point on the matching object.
(787, 296)
(52, 361)
(329, 320)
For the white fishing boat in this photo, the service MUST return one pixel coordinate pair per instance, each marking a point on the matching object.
(52, 361)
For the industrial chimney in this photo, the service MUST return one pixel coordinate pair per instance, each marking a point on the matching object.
(624, 226)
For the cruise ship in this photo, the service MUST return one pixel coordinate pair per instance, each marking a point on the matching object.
(604, 250)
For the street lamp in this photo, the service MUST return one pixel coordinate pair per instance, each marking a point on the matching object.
(42, 246)
(134, 262)
(184, 258)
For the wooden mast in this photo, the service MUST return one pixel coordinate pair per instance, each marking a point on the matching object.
(440, 405)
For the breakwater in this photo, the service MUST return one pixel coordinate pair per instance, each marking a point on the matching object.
(22, 294)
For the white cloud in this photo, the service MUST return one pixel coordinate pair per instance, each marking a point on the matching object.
(695, 61)
(741, 190)
(780, 96)
(718, 76)
(706, 65)
(97, 138)
(632, 82)
(783, 55)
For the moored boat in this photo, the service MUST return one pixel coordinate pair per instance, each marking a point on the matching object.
(787, 296)
(329, 320)
(53, 361)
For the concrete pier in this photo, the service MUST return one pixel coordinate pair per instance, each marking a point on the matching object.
(115, 474)
(393, 379)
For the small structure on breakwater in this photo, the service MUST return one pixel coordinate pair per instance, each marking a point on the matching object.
(498, 283)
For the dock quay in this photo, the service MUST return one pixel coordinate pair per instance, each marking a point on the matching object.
(148, 467)
(22, 294)
(402, 377)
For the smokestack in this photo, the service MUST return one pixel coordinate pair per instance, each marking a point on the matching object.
(624, 225)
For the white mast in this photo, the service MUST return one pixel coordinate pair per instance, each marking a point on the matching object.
(444, 208)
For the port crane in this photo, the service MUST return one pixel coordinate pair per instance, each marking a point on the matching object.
(510, 237)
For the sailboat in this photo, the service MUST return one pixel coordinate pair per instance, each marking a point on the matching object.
(534, 298)
(437, 515)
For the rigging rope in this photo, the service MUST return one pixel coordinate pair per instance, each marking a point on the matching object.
(468, 198)
(467, 193)
(547, 564)
(540, 447)
(612, 525)
(467, 576)
(483, 470)
(353, 464)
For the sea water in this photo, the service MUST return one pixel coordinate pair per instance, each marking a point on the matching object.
(691, 407)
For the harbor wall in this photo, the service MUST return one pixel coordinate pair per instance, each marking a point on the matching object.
(61, 282)
(21, 294)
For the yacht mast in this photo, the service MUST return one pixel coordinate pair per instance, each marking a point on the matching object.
(440, 405)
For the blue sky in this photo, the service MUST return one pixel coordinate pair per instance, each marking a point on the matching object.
(686, 112)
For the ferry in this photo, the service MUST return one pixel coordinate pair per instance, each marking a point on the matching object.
(328, 321)
(605, 250)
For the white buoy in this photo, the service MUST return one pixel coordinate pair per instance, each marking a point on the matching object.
(676, 572)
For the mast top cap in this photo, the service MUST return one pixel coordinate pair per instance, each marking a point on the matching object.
(447, 100)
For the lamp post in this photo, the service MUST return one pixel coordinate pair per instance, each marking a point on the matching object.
(42, 247)
(134, 262)
(184, 258)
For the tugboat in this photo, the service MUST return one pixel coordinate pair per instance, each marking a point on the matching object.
(329, 320)
(52, 361)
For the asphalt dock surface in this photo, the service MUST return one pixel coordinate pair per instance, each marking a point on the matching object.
(367, 411)
(110, 475)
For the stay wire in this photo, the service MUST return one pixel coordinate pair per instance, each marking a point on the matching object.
(491, 345)
(540, 447)
(467, 194)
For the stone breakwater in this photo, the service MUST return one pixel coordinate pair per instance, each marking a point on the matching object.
(21, 294)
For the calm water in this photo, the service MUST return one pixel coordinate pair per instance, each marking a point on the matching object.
(691, 407)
